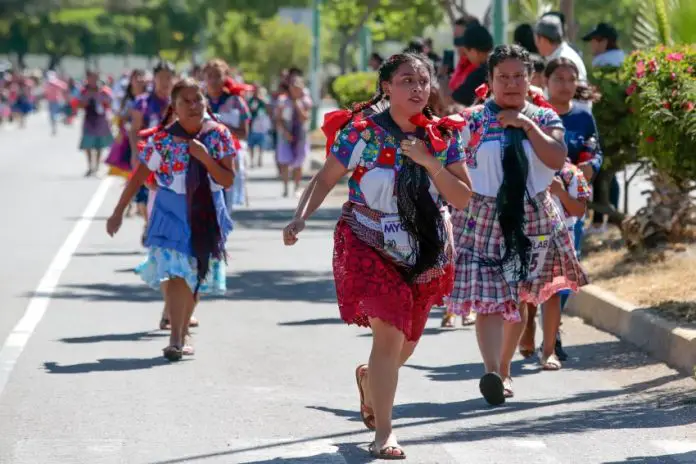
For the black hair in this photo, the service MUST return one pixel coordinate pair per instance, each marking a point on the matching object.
(419, 214)
(612, 43)
(466, 21)
(129, 90)
(477, 38)
(295, 71)
(376, 56)
(584, 92)
(538, 63)
(416, 45)
(510, 201)
(524, 36)
(164, 65)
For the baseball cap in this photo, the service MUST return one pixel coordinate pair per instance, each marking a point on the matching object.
(550, 27)
(601, 31)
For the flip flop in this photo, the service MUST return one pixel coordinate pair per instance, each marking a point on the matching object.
(388, 453)
(447, 321)
(550, 363)
(366, 413)
(492, 389)
(507, 388)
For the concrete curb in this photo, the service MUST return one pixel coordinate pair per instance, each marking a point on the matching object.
(661, 338)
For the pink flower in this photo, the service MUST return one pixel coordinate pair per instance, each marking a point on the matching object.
(674, 76)
(652, 64)
(640, 69)
(675, 57)
(666, 105)
(690, 70)
(689, 106)
(631, 89)
(650, 139)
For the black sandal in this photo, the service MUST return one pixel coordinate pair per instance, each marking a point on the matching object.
(173, 353)
(492, 389)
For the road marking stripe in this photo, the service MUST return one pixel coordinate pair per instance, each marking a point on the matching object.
(18, 338)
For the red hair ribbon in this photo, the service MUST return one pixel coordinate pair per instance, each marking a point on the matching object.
(235, 88)
(334, 121)
(482, 91)
(432, 127)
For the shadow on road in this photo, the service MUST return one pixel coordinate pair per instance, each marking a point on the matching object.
(316, 287)
(664, 459)
(106, 254)
(265, 219)
(106, 365)
(311, 322)
(123, 337)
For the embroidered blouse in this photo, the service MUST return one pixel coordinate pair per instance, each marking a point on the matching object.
(375, 157)
(168, 159)
(577, 187)
(483, 140)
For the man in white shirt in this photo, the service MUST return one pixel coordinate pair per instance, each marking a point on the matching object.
(548, 37)
(603, 40)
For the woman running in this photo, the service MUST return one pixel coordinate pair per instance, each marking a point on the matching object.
(392, 245)
(513, 248)
(96, 129)
(192, 160)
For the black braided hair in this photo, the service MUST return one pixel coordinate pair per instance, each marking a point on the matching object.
(510, 201)
(420, 216)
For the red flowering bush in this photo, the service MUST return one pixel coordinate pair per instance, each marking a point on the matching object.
(662, 97)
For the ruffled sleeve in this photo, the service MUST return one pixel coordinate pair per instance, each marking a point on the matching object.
(349, 146)
(220, 143)
(455, 150)
(548, 119)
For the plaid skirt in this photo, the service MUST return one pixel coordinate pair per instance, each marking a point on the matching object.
(369, 284)
(486, 288)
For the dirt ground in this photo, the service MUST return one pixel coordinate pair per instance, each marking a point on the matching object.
(664, 279)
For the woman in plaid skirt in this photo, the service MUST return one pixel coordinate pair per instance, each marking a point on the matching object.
(393, 255)
(513, 248)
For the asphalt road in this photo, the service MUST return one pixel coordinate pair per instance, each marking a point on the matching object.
(82, 379)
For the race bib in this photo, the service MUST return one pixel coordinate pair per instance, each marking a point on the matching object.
(537, 258)
(396, 239)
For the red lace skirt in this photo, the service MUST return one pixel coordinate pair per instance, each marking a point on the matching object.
(369, 285)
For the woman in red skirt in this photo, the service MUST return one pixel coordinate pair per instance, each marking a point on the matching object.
(392, 245)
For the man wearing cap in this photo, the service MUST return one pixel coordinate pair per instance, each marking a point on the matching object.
(603, 40)
(548, 37)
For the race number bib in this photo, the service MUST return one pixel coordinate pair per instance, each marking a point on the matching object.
(396, 239)
(537, 257)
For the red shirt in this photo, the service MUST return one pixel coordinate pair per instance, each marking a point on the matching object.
(464, 68)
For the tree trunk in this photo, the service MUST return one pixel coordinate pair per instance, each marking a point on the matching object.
(54, 60)
(350, 36)
(568, 9)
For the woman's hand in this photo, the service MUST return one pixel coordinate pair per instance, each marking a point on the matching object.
(512, 118)
(113, 224)
(556, 188)
(415, 150)
(291, 231)
(198, 150)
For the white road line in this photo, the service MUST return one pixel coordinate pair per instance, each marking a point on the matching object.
(18, 338)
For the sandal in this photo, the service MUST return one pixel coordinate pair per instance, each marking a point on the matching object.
(193, 322)
(468, 320)
(173, 353)
(550, 363)
(188, 349)
(366, 413)
(388, 453)
(492, 389)
(507, 388)
(447, 321)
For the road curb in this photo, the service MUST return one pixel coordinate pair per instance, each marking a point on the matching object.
(661, 338)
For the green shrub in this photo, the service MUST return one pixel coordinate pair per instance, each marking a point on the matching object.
(354, 88)
(662, 97)
(615, 122)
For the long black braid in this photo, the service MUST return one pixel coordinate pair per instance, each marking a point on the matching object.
(510, 201)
